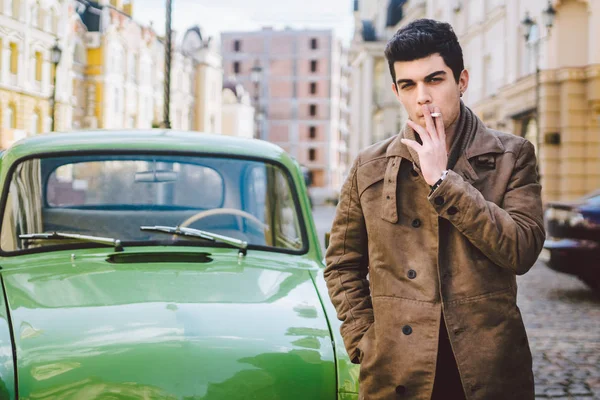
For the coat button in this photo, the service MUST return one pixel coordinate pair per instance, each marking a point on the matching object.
(414, 172)
(400, 389)
(412, 274)
(406, 329)
(439, 201)
(416, 223)
(452, 210)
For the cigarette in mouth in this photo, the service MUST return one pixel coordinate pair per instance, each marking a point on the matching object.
(435, 115)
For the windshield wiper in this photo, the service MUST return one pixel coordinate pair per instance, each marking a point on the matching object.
(84, 238)
(176, 230)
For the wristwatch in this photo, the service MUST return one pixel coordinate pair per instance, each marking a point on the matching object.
(439, 181)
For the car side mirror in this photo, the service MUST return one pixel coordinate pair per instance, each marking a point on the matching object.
(327, 235)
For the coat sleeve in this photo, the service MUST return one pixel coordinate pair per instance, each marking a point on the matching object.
(512, 236)
(347, 267)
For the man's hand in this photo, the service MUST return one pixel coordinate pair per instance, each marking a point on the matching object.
(433, 156)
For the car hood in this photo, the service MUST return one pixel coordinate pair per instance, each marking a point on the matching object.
(193, 326)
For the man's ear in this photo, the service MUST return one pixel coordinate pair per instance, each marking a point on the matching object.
(463, 81)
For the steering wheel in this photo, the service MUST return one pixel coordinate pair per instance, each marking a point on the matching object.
(218, 211)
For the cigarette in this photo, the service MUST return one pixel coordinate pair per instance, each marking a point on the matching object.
(435, 115)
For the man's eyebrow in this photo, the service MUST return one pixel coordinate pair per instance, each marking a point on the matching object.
(428, 77)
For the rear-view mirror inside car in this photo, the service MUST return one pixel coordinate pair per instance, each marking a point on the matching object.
(156, 176)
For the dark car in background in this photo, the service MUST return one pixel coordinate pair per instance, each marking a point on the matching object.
(573, 238)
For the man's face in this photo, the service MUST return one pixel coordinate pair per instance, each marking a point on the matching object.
(429, 82)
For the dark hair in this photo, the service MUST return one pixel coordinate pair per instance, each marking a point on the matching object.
(422, 38)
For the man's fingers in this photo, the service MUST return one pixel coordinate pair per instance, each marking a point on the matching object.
(425, 136)
(439, 124)
(412, 144)
(429, 123)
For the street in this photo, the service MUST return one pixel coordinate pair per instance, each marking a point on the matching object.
(562, 317)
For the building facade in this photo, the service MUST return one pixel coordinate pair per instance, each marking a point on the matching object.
(545, 88)
(124, 75)
(110, 75)
(296, 92)
(28, 31)
(376, 113)
(238, 113)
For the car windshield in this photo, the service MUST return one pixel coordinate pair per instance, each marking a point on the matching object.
(115, 195)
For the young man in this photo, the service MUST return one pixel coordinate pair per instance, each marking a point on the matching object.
(432, 227)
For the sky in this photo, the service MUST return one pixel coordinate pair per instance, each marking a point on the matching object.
(216, 16)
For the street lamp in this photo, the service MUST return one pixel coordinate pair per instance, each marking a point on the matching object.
(533, 38)
(55, 55)
(256, 76)
(167, 82)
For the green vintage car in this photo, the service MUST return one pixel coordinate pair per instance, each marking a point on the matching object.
(162, 265)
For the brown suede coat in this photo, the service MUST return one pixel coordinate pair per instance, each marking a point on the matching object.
(399, 256)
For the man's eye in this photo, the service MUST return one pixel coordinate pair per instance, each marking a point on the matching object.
(406, 86)
(436, 79)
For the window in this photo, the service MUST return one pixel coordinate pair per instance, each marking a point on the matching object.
(313, 110)
(313, 44)
(16, 9)
(237, 46)
(313, 66)
(35, 123)
(38, 66)
(10, 117)
(133, 61)
(114, 194)
(313, 87)
(312, 132)
(35, 18)
(116, 101)
(14, 58)
(55, 17)
(312, 154)
(236, 67)
(8, 8)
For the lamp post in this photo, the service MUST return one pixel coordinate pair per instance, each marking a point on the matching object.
(55, 55)
(533, 39)
(256, 76)
(167, 83)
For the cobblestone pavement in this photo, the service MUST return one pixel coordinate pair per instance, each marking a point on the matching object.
(562, 317)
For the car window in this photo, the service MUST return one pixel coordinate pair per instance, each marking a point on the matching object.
(114, 195)
(594, 200)
(129, 182)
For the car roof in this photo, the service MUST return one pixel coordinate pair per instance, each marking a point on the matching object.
(150, 139)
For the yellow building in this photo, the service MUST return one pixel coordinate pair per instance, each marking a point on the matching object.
(121, 83)
(27, 34)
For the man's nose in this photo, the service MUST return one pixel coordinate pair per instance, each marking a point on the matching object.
(423, 96)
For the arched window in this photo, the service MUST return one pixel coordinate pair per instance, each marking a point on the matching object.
(55, 19)
(10, 117)
(35, 123)
(7, 7)
(35, 15)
